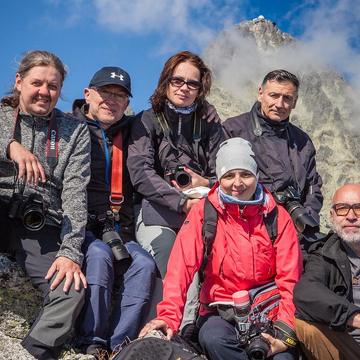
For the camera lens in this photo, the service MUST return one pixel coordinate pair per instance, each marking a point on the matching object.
(33, 218)
(113, 239)
(182, 178)
(300, 216)
(258, 348)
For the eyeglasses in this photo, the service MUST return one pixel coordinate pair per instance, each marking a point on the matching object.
(107, 95)
(343, 209)
(179, 82)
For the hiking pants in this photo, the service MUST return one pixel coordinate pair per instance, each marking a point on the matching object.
(158, 241)
(98, 324)
(218, 340)
(320, 343)
(35, 251)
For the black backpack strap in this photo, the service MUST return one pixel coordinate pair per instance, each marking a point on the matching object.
(208, 234)
(271, 222)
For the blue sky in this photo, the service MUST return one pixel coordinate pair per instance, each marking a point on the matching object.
(137, 35)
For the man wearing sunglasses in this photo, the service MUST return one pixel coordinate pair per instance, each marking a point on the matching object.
(327, 296)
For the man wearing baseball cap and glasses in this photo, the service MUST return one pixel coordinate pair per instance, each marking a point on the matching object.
(116, 258)
(327, 296)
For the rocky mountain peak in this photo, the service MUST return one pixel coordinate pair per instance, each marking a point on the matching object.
(265, 33)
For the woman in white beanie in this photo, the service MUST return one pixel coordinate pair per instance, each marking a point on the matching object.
(243, 257)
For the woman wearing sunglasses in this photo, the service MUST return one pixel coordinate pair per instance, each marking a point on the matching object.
(173, 150)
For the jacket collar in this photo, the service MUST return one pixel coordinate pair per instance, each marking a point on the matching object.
(80, 109)
(234, 209)
(267, 123)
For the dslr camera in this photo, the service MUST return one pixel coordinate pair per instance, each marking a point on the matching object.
(250, 336)
(178, 174)
(31, 210)
(290, 199)
(112, 238)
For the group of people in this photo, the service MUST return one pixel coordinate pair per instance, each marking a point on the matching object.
(109, 216)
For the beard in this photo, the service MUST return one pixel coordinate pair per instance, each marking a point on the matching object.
(351, 239)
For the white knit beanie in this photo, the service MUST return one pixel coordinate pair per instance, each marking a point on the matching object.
(235, 153)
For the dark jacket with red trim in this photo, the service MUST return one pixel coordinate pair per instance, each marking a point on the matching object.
(324, 293)
(242, 257)
(99, 187)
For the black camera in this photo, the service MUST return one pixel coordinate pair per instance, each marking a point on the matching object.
(250, 336)
(30, 209)
(178, 174)
(290, 198)
(112, 238)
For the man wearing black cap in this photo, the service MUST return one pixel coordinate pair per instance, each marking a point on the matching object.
(106, 99)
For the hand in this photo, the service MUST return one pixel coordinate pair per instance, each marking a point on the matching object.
(189, 203)
(157, 325)
(66, 268)
(196, 180)
(211, 114)
(29, 165)
(276, 345)
(354, 321)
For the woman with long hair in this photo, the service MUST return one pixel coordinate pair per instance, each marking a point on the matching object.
(45, 168)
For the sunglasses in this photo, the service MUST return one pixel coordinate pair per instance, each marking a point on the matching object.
(179, 82)
(343, 209)
(107, 95)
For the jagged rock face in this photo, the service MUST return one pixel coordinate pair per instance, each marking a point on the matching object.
(326, 109)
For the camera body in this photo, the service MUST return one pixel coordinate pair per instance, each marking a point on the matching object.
(178, 174)
(250, 336)
(290, 199)
(31, 210)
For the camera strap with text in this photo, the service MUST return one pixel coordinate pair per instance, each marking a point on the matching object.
(116, 196)
(52, 140)
(52, 143)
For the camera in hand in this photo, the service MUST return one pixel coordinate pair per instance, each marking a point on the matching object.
(178, 174)
(112, 238)
(30, 209)
(290, 199)
(256, 346)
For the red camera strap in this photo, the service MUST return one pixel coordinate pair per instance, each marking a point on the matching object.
(116, 196)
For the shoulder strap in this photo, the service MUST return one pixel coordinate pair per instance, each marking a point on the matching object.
(271, 222)
(116, 196)
(208, 234)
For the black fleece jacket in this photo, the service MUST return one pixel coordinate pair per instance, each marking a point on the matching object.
(99, 186)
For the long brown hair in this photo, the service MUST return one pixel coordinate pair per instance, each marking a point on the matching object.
(158, 98)
(30, 60)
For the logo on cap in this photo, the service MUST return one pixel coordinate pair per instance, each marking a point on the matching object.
(114, 75)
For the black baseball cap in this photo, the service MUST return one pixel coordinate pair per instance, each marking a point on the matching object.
(111, 75)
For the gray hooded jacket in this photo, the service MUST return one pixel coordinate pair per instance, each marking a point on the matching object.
(64, 192)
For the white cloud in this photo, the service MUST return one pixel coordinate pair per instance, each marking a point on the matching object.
(182, 22)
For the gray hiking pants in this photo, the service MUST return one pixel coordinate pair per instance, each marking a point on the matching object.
(35, 251)
(158, 241)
